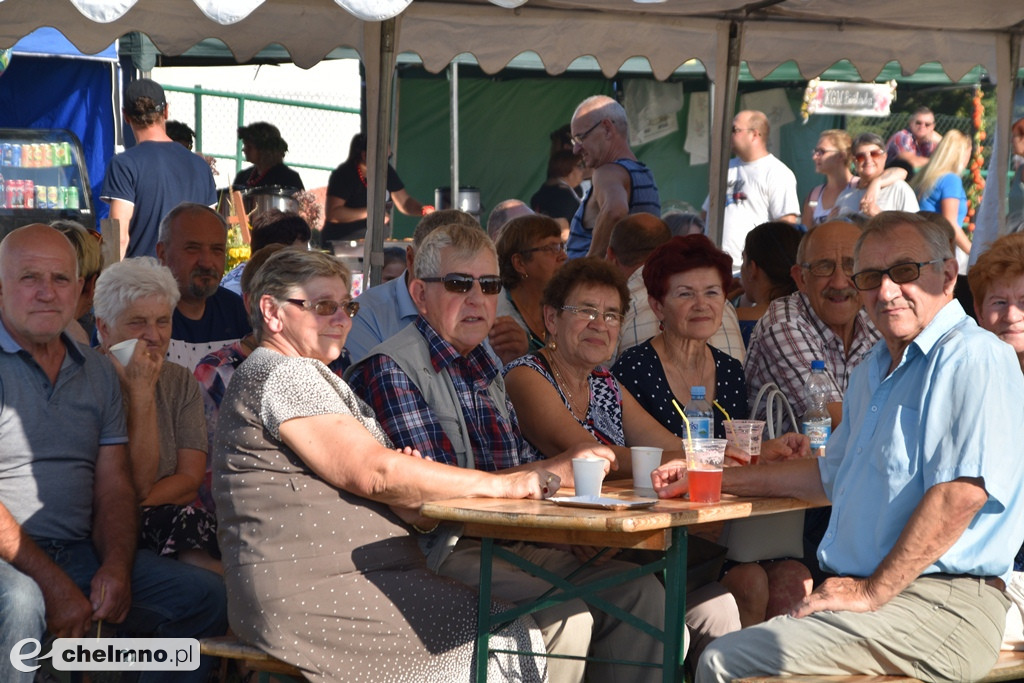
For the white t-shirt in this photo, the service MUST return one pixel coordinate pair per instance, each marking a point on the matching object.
(896, 197)
(758, 191)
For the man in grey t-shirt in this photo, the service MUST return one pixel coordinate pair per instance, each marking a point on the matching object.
(68, 510)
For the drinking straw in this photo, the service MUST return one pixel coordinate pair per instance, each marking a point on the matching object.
(99, 623)
(719, 406)
(686, 422)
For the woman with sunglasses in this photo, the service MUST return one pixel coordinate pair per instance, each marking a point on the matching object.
(832, 157)
(322, 569)
(530, 252)
(869, 159)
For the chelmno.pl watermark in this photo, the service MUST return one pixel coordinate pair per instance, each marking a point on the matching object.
(109, 654)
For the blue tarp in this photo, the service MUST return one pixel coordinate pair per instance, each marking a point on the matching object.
(56, 89)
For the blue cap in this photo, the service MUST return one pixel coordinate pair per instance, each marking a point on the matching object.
(697, 392)
(817, 365)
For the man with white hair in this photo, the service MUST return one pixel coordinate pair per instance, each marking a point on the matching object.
(621, 185)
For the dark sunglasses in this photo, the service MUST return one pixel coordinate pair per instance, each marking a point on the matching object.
(900, 274)
(874, 153)
(460, 283)
(327, 307)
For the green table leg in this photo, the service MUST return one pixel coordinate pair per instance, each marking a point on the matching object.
(675, 606)
(483, 617)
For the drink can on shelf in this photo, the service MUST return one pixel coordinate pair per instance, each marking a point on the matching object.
(65, 151)
(46, 155)
(72, 202)
(62, 197)
(15, 154)
(28, 192)
(52, 197)
(41, 202)
(11, 193)
(5, 154)
(28, 156)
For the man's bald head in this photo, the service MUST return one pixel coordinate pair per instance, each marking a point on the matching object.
(634, 237)
(502, 213)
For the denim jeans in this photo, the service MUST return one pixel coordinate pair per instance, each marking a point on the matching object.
(21, 616)
(170, 599)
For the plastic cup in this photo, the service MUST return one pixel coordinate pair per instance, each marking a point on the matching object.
(588, 473)
(123, 350)
(645, 460)
(745, 437)
(704, 460)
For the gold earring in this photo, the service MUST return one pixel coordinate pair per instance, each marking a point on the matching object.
(552, 344)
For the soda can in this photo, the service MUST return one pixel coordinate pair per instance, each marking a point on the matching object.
(46, 155)
(41, 197)
(65, 151)
(3, 192)
(72, 202)
(28, 193)
(11, 192)
(52, 197)
(6, 154)
(16, 152)
(29, 156)
(62, 197)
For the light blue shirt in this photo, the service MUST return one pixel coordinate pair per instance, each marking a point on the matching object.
(383, 311)
(952, 408)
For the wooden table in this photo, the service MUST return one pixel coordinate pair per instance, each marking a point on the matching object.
(662, 528)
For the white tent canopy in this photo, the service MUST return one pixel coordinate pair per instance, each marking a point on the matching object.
(960, 34)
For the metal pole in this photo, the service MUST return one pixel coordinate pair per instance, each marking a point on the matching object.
(454, 123)
(723, 103)
(380, 65)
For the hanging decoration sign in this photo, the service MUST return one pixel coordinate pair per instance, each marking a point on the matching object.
(852, 99)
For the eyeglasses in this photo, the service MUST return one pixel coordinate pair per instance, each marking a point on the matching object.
(826, 267)
(819, 152)
(578, 139)
(327, 307)
(874, 153)
(611, 318)
(460, 283)
(553, 249)
(900, 274)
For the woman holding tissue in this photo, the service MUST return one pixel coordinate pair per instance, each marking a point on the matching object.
(317, 510)
(135, 300)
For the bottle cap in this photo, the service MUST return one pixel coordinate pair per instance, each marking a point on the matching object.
(817, 365)
(698, 392)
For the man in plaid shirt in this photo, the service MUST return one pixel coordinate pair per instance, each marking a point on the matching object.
(824, 320)
(435, 388)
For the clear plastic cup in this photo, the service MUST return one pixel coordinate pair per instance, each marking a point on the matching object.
(704, 461)
(745, 436)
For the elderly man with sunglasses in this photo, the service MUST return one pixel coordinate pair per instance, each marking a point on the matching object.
(435, 388)
(925, 480)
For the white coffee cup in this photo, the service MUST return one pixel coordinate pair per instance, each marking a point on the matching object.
(123, 351)
(646, 459)
(588, 473)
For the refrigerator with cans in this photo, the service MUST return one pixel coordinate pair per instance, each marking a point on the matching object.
(42, 178)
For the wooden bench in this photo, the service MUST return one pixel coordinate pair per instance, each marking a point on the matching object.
(1009, 667)
(253, 659)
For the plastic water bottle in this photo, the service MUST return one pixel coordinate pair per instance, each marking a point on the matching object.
(817, 423)
(698, 412)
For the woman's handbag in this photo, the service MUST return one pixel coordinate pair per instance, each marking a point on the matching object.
(769, 537)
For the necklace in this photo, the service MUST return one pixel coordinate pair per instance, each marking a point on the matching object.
(362, 174)
(564, 386)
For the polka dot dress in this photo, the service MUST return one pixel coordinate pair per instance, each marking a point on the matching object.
(640, 371)
(321, 578)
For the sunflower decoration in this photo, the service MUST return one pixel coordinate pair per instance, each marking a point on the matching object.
(238, 250)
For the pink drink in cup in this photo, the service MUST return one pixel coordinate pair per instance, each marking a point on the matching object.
(704, 460)
(745, 437)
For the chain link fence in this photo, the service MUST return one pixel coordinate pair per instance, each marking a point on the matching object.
(885, 127)
(317, 132)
